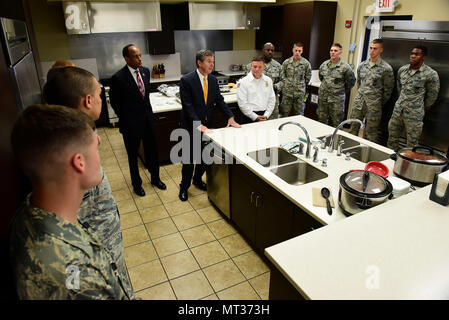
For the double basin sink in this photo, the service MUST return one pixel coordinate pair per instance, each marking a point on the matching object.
(298, 172)
(357, 150)
(287, 166)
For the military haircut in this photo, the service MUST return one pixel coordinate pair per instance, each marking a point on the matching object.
(125, 50)
(298, 44)
(379, 41)
(337, 45)
(62, 63)
(202, 54)
(68, 85)
(258, 58)
(266, 45)
(422, 48)
(41, 135)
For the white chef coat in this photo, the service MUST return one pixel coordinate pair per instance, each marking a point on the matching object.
(255, 95)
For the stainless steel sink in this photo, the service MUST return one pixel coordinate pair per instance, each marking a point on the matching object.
(366, 153)
(348, 142)
(272, 157)
(298, 173)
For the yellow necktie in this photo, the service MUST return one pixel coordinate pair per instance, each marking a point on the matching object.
(205, 90)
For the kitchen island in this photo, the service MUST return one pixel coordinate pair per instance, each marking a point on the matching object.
(396, 250)
(167, 113)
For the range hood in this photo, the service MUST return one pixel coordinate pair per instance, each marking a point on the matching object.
(224, 16)
(107, 17)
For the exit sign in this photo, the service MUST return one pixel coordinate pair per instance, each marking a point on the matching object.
(385, 5)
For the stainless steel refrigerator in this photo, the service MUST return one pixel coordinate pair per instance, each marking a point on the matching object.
(20, 61)
(399, 38)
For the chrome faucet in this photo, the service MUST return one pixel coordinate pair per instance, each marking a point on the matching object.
(315, 154)
(305, 131)
(331, 145)
(340, 145)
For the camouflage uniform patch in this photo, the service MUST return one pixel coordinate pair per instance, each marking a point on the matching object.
(375, 85)
(55, 259)
(273, 70)
(418, 91)
(294, 79)
(98, 213)
(336, 80)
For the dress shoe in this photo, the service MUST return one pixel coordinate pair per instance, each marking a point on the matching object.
(159, 184)
(183, 195)
(139, 191)
(200, 185)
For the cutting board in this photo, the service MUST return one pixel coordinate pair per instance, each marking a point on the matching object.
(319, 200)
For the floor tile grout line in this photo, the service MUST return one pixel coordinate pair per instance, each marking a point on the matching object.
(234, 285)
(253, 286)
(202, 269)
(189, 248)
(172, 178)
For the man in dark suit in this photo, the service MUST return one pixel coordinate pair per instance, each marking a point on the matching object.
(130, 88)
(199, 92)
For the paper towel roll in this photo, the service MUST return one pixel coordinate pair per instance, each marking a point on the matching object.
(442, 183)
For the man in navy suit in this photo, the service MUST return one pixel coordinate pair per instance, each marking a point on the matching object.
(130, 88)
(199, 92)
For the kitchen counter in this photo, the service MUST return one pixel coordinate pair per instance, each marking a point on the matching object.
(166, 79)
(398, 250)
(403, 241)
(258, 136)
(230, 73)
(162, 103)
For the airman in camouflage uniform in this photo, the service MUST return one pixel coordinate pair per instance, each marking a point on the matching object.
(98, 211)
(273, 70)
(295, 75)
(55, 259)
(336, 78)
(375, 81)
(418, 87)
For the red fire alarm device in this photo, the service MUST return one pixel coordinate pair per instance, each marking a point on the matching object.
(348, 23)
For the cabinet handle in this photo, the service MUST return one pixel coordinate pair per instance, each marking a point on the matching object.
(251, 200)
(257, 201)
(161, 118)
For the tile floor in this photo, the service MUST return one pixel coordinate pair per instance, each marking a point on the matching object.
(174, 249)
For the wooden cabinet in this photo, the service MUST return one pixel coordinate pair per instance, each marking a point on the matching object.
(161, 42)
(164, 124)
(303, 222)
(311, 106)
(263, 215)
(312, 23)
(243, 209)
(220, 120)
(173, 17)
(281, 288)
(271, 27)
